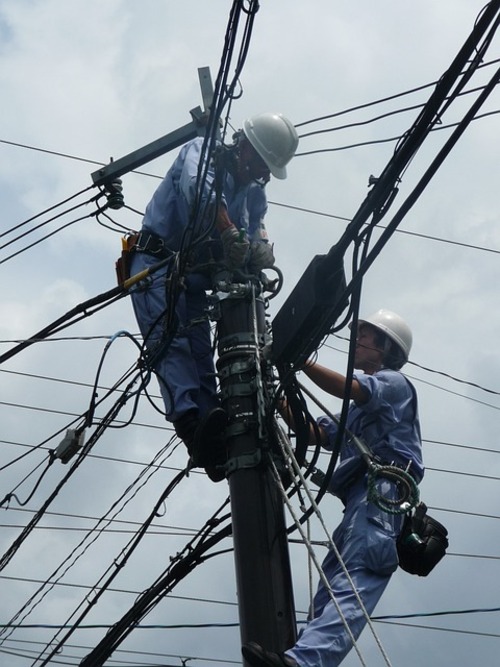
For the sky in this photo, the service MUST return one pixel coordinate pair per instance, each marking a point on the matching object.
(86, 81)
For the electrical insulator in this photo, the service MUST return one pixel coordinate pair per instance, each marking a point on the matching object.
(114, 194)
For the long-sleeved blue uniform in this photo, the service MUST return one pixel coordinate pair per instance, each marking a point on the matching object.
(186, 371)
(366, 537)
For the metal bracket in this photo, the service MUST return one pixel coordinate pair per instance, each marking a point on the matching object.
(240, 389)
(244, 461)
(196, 128)
(238, 367)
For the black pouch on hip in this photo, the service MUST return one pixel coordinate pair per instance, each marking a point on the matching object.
(422, 542)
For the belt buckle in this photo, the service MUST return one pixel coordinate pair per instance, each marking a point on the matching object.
(160, 246)
(138, 247)
(151, 244)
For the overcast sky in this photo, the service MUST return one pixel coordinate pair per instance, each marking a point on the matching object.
(82, 81)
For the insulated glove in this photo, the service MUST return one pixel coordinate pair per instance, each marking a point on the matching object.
(235, 247)
(261, 256)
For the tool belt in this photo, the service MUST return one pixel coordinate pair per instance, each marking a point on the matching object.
(144, 241)
(150, 243)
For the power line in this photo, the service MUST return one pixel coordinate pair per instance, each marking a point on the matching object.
(475, 385)
(288, 206)
(447, 375)
(185, 598)
(427, 237)
(441, 629)
(384, 99)
(395, 139)
(65, 413)
(69, 156)
(126, 652)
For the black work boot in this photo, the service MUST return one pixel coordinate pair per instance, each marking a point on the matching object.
(205, 440)
(209, 444)
(259, 657)
(186, 427)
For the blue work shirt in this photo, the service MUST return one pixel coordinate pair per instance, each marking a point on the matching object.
(170, 209)
(388, 423)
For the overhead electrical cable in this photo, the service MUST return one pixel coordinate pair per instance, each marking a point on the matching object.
(430, 172)
(384, 99)
(83, 310)
(94, 533)
(388, 140)
(46, 222)
(182, 564)
(389, 114)
(182, 659)
(117, 565)
(397, 231)
(47, 210)
(454, 393)
(44, 238)
(99, 430)
(385, 187)
(87, 419)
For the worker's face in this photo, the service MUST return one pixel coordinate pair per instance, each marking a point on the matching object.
(251, 167)
(369, 354)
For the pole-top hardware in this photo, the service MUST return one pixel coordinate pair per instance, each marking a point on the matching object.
(169, 142)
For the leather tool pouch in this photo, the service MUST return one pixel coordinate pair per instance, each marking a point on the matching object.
(122, 264)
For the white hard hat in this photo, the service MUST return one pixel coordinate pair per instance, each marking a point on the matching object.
(274, 138)
(394, 327)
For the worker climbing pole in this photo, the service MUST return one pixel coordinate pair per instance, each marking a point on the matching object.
(217, 226)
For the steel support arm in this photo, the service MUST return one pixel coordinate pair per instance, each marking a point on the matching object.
(170, 141)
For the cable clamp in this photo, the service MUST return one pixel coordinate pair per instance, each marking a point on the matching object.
(239, 389)
(244, 461)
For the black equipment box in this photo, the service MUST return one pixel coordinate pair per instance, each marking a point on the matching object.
(310, 311)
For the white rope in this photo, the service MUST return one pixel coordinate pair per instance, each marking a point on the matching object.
(310, 569)
(315, 561)
(288, 452)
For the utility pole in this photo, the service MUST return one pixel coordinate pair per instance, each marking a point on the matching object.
(263, 576)
(262, 565)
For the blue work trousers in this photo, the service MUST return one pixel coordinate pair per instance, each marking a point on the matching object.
(185, 366)
(366, 540)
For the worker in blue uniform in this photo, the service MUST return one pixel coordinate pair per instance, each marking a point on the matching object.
(208, 210)
(384, 414)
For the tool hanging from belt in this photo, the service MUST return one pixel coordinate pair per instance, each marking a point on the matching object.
(408, 493)
(422, 542)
